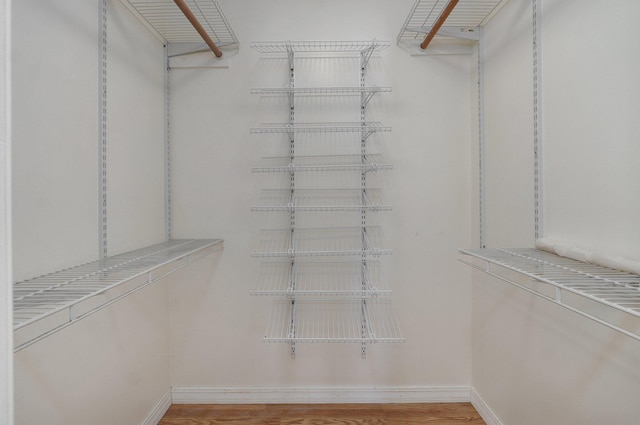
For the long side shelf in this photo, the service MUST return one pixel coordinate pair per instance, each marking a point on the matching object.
(321, 200)
(615, 289)
(307, 278)
(48, 303)
(319, 46)
(371, 163)
(333, 321)
(337, 241)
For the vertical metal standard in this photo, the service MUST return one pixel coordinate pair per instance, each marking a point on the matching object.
(537, 123)
(102, 130)
(167, 148)
(481, 143)
(292, 187)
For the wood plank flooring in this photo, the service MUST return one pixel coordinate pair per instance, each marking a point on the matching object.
(323, 414)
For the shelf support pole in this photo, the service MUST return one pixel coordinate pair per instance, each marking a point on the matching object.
(182, 5)
(441, 20)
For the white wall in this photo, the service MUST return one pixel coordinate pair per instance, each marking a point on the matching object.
(534, 362)
(217, 327)
(113, 366)
(6, 280)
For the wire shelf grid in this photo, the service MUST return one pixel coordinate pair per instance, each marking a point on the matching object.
(613, 288)
(171, 24)
(335, 321)
(44, 296)
(367, 127)
(322, 242)
(467, 13)
(371, 90)
(321, 200)
(315, 278)
(319, 46)
(281, 164)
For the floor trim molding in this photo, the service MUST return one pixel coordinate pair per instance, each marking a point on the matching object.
(272, 395)
(487, 414)
(158, 411)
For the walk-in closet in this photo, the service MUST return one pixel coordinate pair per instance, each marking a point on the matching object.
(372, 205)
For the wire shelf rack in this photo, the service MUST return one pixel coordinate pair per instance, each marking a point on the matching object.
(326, 278)
(322, 242)
(467, 14)
(371, 163)
(321, 200)
(168, 22)
(365, 128)
(69, 295)
(320, 90)
(319, 46)
(369, 321)
(614, 289)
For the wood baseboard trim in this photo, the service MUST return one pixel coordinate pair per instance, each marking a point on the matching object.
(275, 395)
(158, 411)
(487, 414)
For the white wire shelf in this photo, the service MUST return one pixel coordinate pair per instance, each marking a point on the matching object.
(320, 90)
(320, 279)
(369, 321)
(324, 242)
(46, 304)
(321, 200)
(370, 163)
(467, 15)
(366, 128)
(614, 289)
(319, 46)
(166, 20)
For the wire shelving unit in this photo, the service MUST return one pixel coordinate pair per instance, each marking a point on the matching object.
(167, 22)
(49, 303)
(593, 291)
(327, 278)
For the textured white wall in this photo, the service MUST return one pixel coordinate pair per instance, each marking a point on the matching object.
(114, 366)
(534, 362)
(217, 327)
(6, 280)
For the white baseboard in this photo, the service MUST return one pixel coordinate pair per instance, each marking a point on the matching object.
(274, 395)
(158, 411)
(483, 409)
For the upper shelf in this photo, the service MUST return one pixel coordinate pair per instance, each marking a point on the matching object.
(319, 46)
(572, 282)
(46, 304)
(164, 18)
(461, 23)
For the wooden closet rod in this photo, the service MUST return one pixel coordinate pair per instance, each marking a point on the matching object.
(436, 27)
(194, 21)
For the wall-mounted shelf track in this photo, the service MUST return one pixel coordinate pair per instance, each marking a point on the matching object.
(48, 303)
(608, 296)
(165, 19)
(327, 272)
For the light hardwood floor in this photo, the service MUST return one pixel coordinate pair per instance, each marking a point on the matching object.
(324, 414)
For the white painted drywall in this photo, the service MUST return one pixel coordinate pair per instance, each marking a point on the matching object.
(217, 327)
(534, 362)
(6, 280)
(112, 367)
